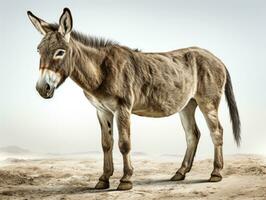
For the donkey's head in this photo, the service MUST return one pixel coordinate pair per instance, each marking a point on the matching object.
(54, 52)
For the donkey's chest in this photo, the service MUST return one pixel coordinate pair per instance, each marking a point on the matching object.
(104, 104)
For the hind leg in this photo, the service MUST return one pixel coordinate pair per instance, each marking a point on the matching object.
(210, 111)
(187, 116)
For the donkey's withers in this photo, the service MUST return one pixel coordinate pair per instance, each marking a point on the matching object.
(120, 81)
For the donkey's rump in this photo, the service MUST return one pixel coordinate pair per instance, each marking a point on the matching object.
(211, 75)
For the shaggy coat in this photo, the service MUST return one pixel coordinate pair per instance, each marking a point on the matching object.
(120, 81)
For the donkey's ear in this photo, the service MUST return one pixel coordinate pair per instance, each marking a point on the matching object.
(40, 25)
(65, 24)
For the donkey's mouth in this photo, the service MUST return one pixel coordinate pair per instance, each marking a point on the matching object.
(49, 94)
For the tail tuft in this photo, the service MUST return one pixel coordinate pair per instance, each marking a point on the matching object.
(234, 115)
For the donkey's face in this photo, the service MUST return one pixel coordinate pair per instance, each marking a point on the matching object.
(54, 50)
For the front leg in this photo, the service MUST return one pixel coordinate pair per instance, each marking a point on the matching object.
(106, 122)
(123, 125)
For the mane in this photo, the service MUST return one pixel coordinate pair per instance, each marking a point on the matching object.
(87, 40)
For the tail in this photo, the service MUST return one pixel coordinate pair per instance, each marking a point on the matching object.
(231, 102)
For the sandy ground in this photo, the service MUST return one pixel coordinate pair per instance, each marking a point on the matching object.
(74, 178)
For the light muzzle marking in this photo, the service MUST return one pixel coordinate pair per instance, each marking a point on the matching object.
(50, 77)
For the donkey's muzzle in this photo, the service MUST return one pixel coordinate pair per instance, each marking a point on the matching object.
(45, 90)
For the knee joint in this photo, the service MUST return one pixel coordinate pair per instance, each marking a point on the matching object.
(124, 147)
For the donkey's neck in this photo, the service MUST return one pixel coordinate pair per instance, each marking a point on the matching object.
(86, 70)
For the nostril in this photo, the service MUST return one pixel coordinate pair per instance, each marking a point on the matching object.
(47, 87)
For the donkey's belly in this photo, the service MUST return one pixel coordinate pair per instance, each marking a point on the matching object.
(157, 108)
(160, 111)
(152, 113)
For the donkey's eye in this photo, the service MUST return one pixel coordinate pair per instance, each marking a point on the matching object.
(59, 53)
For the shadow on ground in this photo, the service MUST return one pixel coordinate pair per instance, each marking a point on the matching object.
(68, 190)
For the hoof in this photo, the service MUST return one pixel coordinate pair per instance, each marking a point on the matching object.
(125, 185)
(215, 178)
(102, 185)
(178, 177)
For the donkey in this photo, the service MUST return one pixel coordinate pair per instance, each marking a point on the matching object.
(120, 81)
